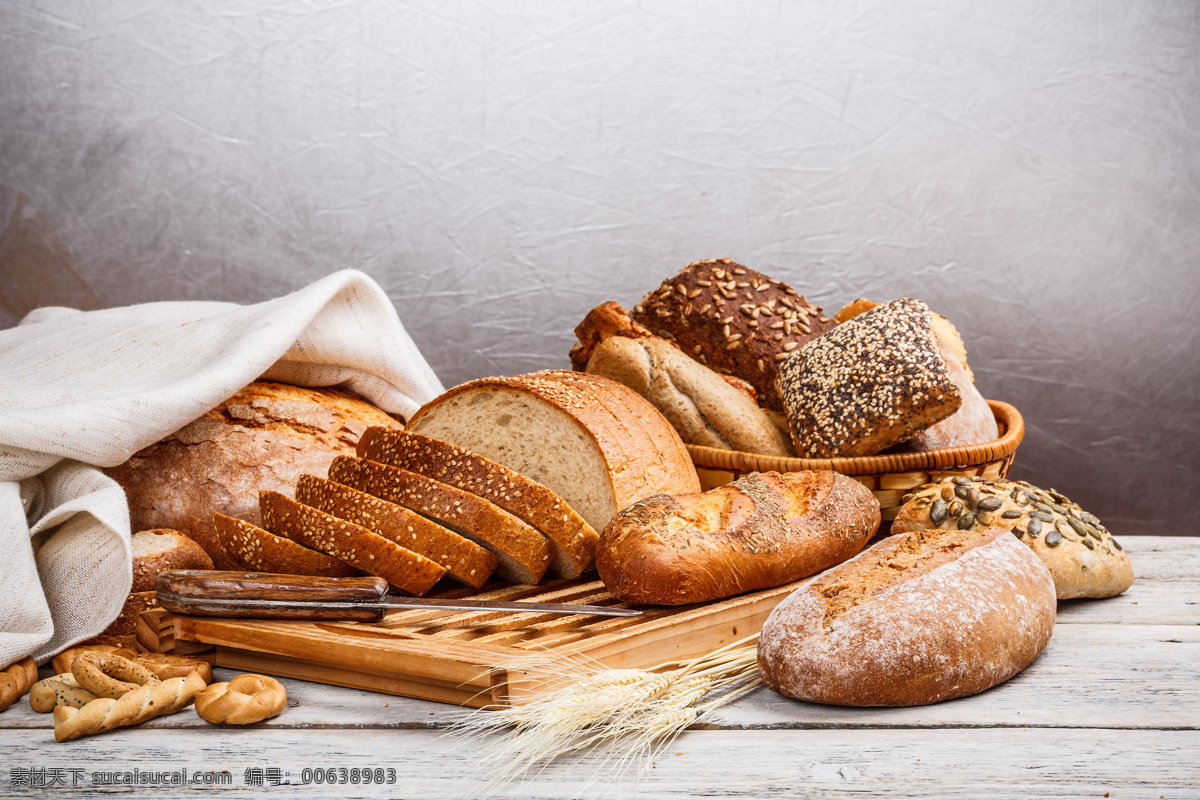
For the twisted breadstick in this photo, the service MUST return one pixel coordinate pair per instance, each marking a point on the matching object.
(106, 675)
(15, 680)
(241, 701)
(61, 690)
(147, 701)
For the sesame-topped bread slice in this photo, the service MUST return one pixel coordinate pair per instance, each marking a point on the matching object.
(867, 384)
(254, 549)
(348, 542)
(593, 442)
(523, 553)
(464, 560)
(573, 540)
(734, 320)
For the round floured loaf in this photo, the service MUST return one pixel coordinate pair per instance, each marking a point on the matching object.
(264, 437)
(919, 618)
(1084, 558)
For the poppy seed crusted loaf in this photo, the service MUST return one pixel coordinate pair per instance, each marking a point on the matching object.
(867, 384)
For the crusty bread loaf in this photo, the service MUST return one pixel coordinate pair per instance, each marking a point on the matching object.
(972, 423)
(573, 540)
(264, 437)
(593, 442)
(522, 552)
(463, 560)
(1084, 558)
(354, 544)
(918, 618)
(733, 319)
(124, 627)
(760, 531)
(867, 384)
(943, 329)
(160, 550)
(699, 403)
(603, 322)
(252, 548)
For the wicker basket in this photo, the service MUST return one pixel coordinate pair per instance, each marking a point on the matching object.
(890, 477)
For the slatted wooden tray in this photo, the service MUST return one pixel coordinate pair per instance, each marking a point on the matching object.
(480, 659)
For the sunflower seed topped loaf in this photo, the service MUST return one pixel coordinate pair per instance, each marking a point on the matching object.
(1084, 558)
(734, 320)
(867, 384)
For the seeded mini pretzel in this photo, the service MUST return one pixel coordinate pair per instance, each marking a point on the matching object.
(60, 690)
(15, 680)
(106, 675)
(243, 700)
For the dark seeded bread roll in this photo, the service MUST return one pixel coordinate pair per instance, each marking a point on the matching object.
(918, 618)
(734, 320)
(867, 384)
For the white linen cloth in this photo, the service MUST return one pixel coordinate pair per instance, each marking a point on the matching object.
(81, 390)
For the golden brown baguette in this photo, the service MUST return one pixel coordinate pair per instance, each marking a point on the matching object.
(351, 543)
(763, 530)
(523, 553)
(573, 540)
(464, 560)
(145, 702)
(251, 548)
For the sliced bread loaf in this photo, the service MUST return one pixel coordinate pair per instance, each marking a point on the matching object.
(573, 540)
(348, 542)
(464, 560)
(252, 548)
(593, 442)
(162, 549)
(523, 553)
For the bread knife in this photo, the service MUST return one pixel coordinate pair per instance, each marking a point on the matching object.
(262, 595)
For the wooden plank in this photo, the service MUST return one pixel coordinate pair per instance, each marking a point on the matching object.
(1148, 602)
(831, 764)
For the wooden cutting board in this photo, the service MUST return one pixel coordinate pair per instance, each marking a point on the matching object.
(480, 659)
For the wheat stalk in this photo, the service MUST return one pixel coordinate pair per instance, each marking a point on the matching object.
(620, 716)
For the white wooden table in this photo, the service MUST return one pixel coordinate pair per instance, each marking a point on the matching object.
(1110, 709)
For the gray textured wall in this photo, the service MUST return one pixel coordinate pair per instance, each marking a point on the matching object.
(1030, 169)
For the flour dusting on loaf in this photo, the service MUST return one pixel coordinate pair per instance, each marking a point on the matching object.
(920, 618)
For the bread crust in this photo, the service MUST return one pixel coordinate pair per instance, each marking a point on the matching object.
(463, 560)
(642, 453)
(161, 550)
(264, 437)
(254, 549)
(918, 618)
(701, 405)
(972, 423)
(1085, 559)
(763, 530)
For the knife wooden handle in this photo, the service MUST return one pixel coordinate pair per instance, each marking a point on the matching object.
(220, 593)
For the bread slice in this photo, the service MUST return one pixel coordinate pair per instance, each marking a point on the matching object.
(591, 441)
(465, 561)
(252, 548)
(523, 553)
(348, 542)
(573, 540)
(159, 550)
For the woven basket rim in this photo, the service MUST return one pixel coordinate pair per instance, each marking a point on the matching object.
(950, 458)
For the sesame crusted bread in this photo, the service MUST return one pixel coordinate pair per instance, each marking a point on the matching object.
(867, 384)
(1084, 558)
(573, 540)
(348, 542)
(593, 442)
(465, 561)
(733, 319)
(918, 618)
(523, 553)
(251, 548)
(943, 329)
